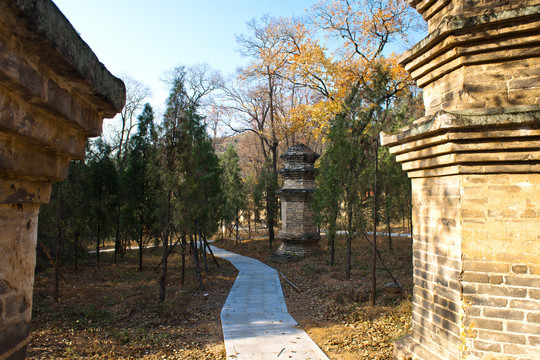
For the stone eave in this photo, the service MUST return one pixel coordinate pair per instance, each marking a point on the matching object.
(295, 191)
(457, 51)
(452, 25)
(43, 29)
(428, 8)
(469, 142)
(443, 121)
(299, 169)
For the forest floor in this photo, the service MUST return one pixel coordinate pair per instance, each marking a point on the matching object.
(111, 311)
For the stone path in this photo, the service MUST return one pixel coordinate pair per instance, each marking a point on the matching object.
(255, 321)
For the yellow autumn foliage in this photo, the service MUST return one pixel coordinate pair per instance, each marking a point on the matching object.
(293, 50)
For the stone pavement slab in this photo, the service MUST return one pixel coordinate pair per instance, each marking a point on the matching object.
(255, 321)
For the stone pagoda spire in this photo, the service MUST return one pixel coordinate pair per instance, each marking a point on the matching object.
(298, 234)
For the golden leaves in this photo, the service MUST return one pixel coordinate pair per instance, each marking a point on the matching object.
(293, 51)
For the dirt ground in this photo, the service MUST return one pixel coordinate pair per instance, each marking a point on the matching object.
(335, 311)
(111, 311)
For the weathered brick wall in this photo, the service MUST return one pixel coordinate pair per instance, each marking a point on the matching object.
(476, 216)
(17, 256)
(501, 264)
(476, 265)
(478, 55)
(297, 214)
(474, 163)
(475, 189)
(291, 216)
(437, 264)
(460, 89)
(298, 231)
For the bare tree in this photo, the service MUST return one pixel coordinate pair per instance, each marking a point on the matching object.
(136, 95)
(200, 82)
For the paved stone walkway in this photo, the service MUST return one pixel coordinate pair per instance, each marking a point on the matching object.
(255, 321)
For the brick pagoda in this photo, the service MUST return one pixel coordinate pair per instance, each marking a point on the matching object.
(299, 234)
(474, 163)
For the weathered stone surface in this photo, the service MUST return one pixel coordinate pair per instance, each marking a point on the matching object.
(45, 34)
(463, 64)
(479, 229)
(54, 93)
(298, 233)
(13, 340)
(475, 169)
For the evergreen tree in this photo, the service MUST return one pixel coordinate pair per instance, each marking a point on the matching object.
(235, 197)
(340, 183)
(102, 189)
(190, 175)
(140, 202)
(268, 187)
(349, 168)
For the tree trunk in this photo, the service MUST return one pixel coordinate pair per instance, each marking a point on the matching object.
(375, 205)
(249, 223)
(383, 265)
(271, 234)
(203, 248)
(196, 259)
(332, 239)
(271, 196)
(57, 268)
(165, 241)
(183, 274)
(76, 242)
(210, 250)
(141, 249)
(349, 242)
(237, 233)
(388, 226)
(117, 235)
(98, 239)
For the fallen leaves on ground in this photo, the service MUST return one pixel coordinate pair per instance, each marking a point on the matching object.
(335, 311)
(111, 311)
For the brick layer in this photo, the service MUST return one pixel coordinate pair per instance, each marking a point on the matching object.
(436, 294)
(299, 233)
(476, 267)
(501, 264)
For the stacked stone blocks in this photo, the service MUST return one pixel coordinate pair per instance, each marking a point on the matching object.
(476, 217)
(474, 164)
(299, 233)
(54, 93)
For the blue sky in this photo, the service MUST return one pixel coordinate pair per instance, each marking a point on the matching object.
(145, 39)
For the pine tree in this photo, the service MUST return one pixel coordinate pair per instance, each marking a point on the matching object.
(233, 188)
(102, 191)
(190, 174)
(140, 202)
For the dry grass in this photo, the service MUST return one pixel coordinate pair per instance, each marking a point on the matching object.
(335, 311)
(111, 311)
